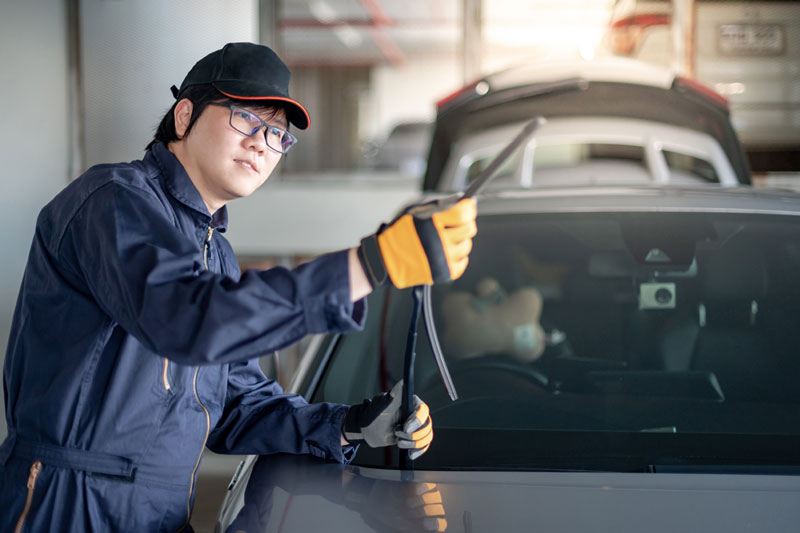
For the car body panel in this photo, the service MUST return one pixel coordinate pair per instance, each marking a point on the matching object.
(642, 475)
(282, 491)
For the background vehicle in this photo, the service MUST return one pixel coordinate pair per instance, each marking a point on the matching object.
(625, 358)
(648, 124)
(746, 51)
(404, 149)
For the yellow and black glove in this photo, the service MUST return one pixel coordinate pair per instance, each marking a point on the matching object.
(377, 422)
(428, 243)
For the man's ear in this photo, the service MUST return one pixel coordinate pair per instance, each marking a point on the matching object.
(182, 115)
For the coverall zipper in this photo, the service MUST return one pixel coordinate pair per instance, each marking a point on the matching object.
(166, 376)
(199, 457)
(35, 468)
(197, 398)
(206, 246)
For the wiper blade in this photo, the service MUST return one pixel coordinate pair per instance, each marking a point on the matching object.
(483, 178)
(433, 339)
(422, 294)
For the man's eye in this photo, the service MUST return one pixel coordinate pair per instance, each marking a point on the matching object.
(250, 117)
(277, 132)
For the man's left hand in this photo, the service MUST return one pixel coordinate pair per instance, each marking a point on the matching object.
(377, 422)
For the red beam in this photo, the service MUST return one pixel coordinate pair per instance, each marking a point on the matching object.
(379, 18)
(376, 12)
(290, 24)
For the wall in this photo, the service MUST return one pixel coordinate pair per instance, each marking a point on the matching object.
(410, 92)
(34, 141)
(132, 53)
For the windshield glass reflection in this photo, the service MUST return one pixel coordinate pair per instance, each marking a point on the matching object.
(667, 336)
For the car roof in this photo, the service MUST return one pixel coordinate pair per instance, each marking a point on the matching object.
(742, 199)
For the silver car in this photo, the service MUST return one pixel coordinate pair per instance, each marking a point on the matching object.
(609, 121)
(625, 359)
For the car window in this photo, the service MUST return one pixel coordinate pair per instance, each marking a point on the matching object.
(505, 177)
(690, 167)
(574, 339)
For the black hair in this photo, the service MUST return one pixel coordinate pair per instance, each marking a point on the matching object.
(201, 96)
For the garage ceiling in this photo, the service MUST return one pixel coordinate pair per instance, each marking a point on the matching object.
(373, 32)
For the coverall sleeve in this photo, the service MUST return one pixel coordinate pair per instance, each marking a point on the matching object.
(258, 418)
(149, 277)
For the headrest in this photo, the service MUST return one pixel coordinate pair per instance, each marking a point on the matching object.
(734, 272)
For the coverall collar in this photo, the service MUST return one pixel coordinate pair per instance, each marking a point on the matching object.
(181, 187)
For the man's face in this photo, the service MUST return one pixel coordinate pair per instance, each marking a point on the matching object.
(223, 163)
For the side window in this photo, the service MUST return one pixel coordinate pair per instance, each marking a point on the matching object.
(505, 176)
(566, 155)
(690, 167)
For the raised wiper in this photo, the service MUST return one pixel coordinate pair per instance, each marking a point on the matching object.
(422, 293)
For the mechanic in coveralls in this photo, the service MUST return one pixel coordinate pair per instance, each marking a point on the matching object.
(135, 338)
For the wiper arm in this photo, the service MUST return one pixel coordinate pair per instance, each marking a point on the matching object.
(422, 293)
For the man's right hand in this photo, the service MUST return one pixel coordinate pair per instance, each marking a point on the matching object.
(427, 244)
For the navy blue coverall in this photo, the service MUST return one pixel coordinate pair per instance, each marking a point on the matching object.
(134, 346)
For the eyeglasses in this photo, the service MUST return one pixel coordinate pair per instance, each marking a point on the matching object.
(248, 123)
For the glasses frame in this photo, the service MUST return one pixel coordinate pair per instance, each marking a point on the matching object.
(264, 124)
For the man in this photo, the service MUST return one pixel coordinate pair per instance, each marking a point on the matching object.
(135, 338)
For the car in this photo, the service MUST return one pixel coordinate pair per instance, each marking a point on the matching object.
(624, 359)
(609, 121)
(741, 49)
(404, 149)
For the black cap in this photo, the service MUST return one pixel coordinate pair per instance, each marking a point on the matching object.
(247, 71)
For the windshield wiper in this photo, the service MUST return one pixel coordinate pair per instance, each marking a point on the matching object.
(422, 294)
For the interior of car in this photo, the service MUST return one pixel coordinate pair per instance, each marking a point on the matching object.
(604, 323)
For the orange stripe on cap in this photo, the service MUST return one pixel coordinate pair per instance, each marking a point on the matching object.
(281, 98)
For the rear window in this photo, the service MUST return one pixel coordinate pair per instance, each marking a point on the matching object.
(554, 165)
(684, 166)
(623, 341)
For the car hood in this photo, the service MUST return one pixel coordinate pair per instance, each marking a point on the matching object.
(300, 493)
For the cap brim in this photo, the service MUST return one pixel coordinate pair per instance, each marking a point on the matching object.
(295, 112)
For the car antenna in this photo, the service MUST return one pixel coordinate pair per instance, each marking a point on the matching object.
(422, 293)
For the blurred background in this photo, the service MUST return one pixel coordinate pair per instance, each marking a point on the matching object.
(86, 82)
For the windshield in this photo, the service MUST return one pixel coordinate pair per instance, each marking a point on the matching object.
(620, 341)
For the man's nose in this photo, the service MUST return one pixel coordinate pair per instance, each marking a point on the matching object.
(257, 141)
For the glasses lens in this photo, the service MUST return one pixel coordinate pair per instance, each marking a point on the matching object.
(279, 139)
(249, 123)
(244, 121)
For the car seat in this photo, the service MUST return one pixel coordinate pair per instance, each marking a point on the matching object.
(726, 336)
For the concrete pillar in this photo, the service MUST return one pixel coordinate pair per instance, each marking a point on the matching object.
(268, 31)
(683, 36)
(472, 40)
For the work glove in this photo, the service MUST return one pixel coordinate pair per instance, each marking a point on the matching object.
(377, 422)
(428, 243)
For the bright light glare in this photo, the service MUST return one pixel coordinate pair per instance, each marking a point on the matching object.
(560, 37)
(730, 88)
(322, 11)
(349, 36)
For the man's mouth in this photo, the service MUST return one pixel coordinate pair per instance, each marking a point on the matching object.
(247, 164)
